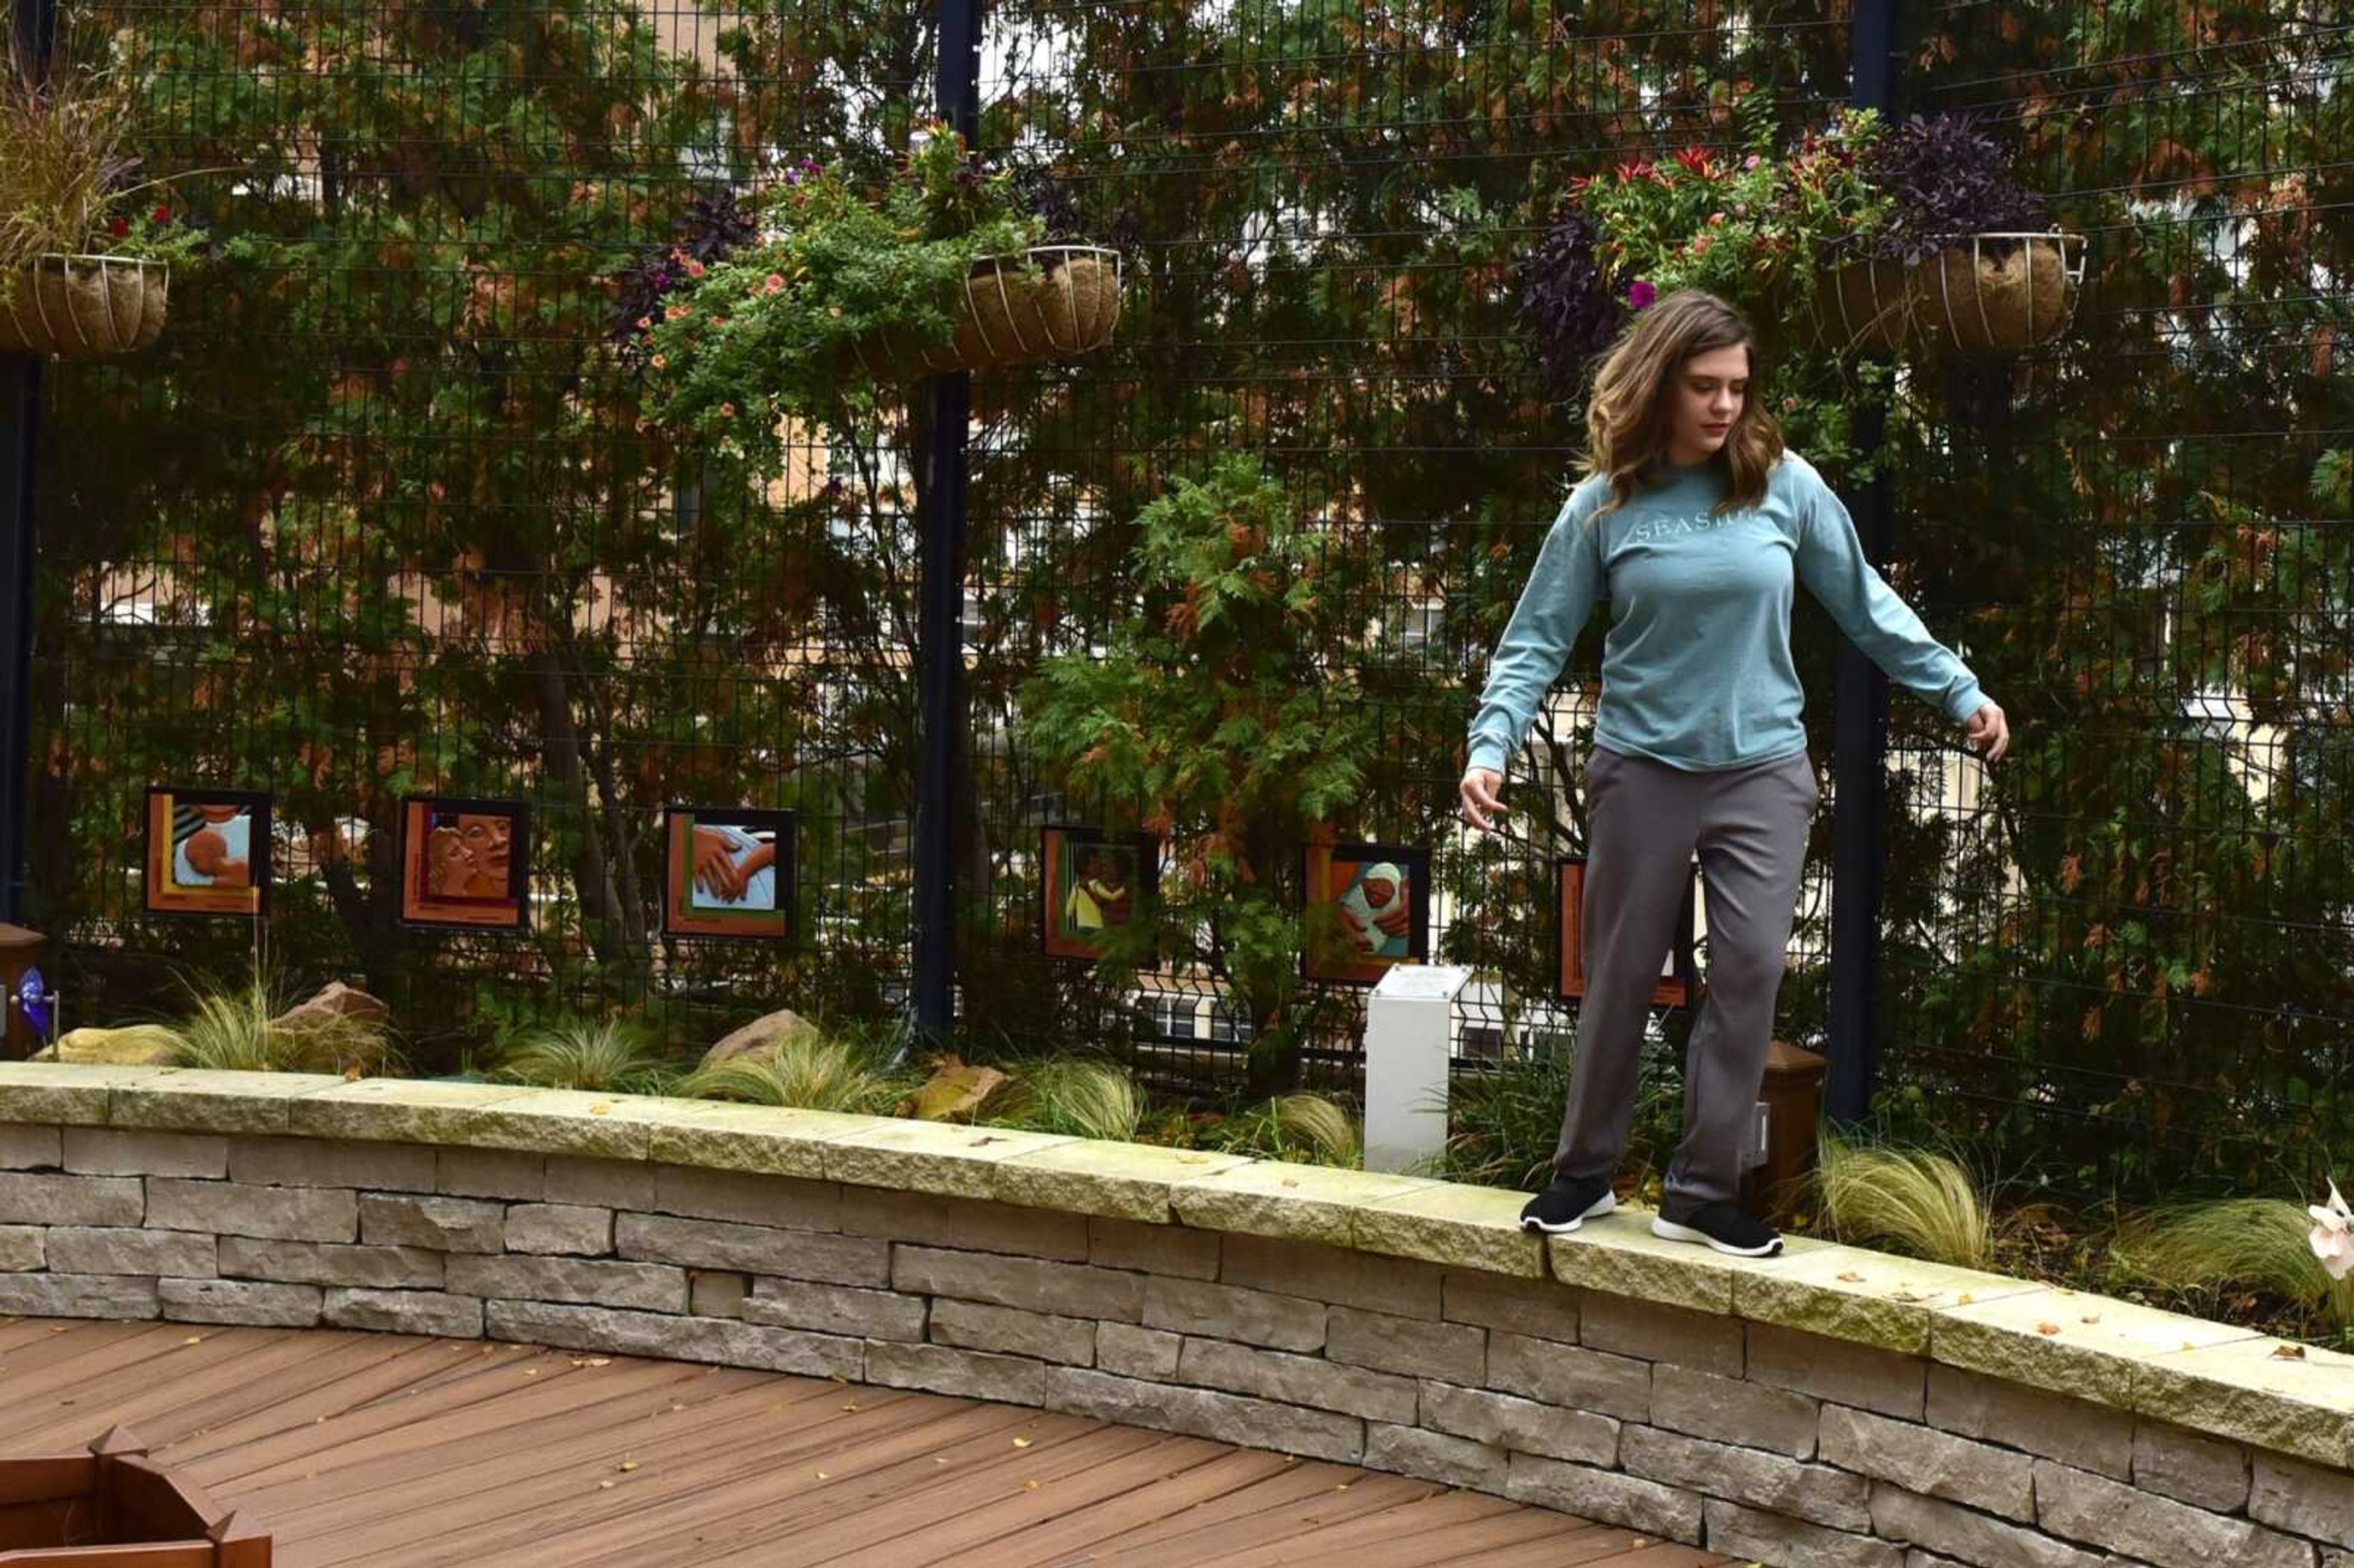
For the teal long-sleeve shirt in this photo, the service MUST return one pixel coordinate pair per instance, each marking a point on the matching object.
(1696, 667)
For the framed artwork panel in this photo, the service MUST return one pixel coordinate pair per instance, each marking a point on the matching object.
(1092, 882)
(464, 863)
(1367, 910)
(728, 873)
(1677, 984)
(207, 851)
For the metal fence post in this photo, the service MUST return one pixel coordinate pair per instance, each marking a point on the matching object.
(941, 626)
(1858, 840)
(32, 35)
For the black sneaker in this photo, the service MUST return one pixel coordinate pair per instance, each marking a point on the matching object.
(1724, 1227)
(1569, 1203)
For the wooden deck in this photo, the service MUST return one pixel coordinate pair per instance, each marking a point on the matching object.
(383, 1450)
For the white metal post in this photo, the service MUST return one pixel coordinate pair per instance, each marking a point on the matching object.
(1408, 1022)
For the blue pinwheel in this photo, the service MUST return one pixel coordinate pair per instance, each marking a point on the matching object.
(33, 996)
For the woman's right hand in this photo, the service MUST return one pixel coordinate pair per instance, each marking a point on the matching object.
(1479, 790)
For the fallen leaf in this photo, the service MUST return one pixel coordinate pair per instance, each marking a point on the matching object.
(1963, 1300)
(1022, 1442)
(628, 1464)
(2093, 1318)
(604, 1485)
(821, 1475)
(1852, 1278)
(1029, 1486)
(2047, 1327)
(2289, 1352)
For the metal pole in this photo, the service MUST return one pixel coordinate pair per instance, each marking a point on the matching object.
(940, 781)
(1858, 840)
(33, 33)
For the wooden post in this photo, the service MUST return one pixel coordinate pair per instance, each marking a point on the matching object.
(1792, 1093)
(20, 949)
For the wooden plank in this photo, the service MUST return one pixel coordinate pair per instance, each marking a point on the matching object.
(1227, 1470)
(689, 1445)
(1504, 1532)
(39, 1477)
(961, 1437)
(71, 1402)
(982, 1503)
(1102, 1491)
(1375, 1539)
(149, 1396)
(1287, 1521)
(167, 1554)
(74, 1361)
(326, 1383)
(1616, 1550)
(1297, 1480)
(371, 1451)
(371, 1408)
(406, 1427)
(684, 1492)
(409, 1462)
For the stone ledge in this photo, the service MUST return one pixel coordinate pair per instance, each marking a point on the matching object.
(2201, 1375)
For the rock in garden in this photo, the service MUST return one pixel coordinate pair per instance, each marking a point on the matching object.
(954, 1091)
(757, 1038)
(335, 1000)
(139, 1045)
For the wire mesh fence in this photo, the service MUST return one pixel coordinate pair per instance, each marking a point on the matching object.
(382, 517)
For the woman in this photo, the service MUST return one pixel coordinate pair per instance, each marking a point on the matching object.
(1694, 521)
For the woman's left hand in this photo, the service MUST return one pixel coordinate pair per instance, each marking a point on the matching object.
(1986, 728)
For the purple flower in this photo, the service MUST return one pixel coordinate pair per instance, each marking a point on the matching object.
(1640, 293)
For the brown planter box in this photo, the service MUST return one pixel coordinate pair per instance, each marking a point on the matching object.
(111, 1507)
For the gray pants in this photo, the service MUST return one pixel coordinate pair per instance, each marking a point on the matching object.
(1644, 819)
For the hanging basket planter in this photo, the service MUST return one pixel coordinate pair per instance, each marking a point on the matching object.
(2000, 292)
(1069, 305)
(85, 306)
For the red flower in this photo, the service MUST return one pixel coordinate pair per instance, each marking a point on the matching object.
(119, 227)
(1634, 171)
(1577, 182)
(161, 215)
(1697, 161)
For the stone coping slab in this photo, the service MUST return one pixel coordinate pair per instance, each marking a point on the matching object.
(2210, 1376)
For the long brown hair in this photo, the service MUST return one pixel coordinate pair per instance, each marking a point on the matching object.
(1626, 420)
